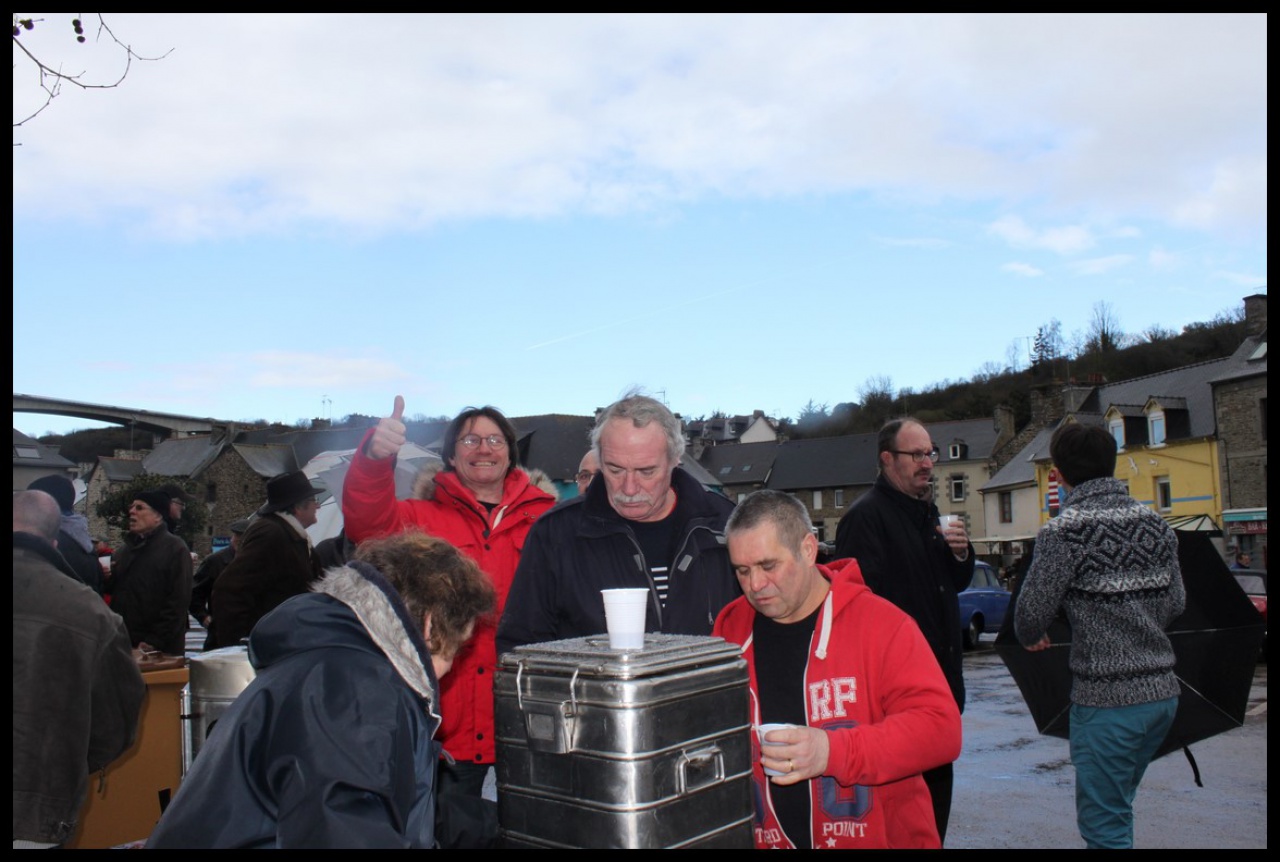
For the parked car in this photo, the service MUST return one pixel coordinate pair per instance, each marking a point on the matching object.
(1254, 584)
(982, 604)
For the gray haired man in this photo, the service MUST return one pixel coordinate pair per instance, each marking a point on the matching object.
(647, 524)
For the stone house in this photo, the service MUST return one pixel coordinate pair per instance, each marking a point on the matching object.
(1240, 412)
(107, 475)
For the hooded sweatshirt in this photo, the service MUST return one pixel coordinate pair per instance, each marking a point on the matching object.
(873, 685)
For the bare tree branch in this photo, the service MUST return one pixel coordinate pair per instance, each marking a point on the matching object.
(51, 79)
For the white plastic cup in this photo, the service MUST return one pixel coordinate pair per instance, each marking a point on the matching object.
(947, 521)
(763, 730)
(624, 614)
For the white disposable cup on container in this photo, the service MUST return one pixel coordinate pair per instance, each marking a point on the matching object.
(763, 730)
(624, 614)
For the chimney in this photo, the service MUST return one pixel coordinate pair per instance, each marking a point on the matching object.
(1255, 314)
(1002, 418)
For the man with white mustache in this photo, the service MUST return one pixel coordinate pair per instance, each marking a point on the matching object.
(644, 523)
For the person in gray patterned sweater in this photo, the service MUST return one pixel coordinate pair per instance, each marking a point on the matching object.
(1111, 564)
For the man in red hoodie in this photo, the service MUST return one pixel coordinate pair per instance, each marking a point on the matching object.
(873, 710)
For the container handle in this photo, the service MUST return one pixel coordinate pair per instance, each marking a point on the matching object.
(698, 769)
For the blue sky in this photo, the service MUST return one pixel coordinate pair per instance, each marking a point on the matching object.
(293, 216)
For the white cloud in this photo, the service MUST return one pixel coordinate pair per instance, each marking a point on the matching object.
(1160, 259)
(1067, 239)
(1025, 269)
(273, 123)
(1100, 265)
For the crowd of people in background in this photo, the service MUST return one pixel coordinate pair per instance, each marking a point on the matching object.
(404, 615)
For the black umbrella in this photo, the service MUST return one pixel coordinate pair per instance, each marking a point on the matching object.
(1215, 642)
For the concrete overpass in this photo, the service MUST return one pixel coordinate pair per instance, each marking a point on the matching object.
(162, 424)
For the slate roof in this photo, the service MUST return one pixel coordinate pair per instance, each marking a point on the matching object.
(743, 464)
(1021, 469)
(1191, 382)
(825, 462)
(553, 443)
(44, 456)
(979, 435)
(1249, 360)
(269, 460)
(119, 469)
(183, 456)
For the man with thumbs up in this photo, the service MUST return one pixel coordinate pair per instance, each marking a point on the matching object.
(484, 504)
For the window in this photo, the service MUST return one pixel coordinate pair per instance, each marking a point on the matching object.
(817, 499)
(1155, 428)
(741, 497)
(1116, 427)
(211, 493)
(957, 489)
(1006, 507)
(21, 450)
(1164, 494)
(955, 451)
(725, 471)
(839, 498)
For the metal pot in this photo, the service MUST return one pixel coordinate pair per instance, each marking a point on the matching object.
(216, 679)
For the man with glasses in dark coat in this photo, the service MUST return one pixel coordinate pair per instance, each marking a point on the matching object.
(906, 557)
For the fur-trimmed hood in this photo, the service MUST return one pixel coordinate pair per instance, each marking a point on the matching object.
(424, 484)
(302, 623)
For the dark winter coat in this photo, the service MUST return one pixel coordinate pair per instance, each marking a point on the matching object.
(77, 691)
(905, 559)
(151, 589)
(331, 744)
(274, 562)
(206, 576)
(583, 546)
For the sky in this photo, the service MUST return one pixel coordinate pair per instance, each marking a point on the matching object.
(292, 216)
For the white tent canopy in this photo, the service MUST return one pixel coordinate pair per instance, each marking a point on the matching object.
(330, 470)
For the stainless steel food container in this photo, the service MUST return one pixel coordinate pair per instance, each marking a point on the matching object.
(216, 679)
(610, 748)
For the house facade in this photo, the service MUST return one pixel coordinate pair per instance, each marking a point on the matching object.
(1240, 410)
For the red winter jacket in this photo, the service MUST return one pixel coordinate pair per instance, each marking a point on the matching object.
(873, 684)
(494, 540)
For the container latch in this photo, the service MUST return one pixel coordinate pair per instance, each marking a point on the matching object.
(548, 725)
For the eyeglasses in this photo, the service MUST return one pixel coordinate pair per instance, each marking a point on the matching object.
(585, 475)
(495, 441)
(933, 455)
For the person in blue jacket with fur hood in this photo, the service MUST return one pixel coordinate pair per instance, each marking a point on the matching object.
(332, 743)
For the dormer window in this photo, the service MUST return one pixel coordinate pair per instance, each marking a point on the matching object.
(1116, 427)
(1155, 428)
(955, 452)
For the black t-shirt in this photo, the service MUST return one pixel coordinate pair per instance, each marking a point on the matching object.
(782, 652)
(656, 539)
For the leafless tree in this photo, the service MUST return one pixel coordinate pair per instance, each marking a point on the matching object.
(1105, 334)
(51, 78)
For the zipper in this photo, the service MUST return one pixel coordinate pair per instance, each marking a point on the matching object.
(644, 570)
